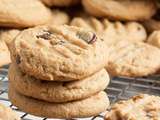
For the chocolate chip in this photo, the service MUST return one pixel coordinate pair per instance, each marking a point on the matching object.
(18, 61)
(46, 35)
(89, 37)
(157, 15)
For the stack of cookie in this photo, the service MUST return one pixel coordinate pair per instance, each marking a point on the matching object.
(58, 72)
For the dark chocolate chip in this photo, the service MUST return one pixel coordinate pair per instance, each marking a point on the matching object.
(94, 38)
(18, 61)
(46, 35)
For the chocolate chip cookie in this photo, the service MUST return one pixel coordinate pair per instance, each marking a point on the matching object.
(61, 3)
(133, 59)
(59, 53)
(23, 13)
(7, 114)
(140, 107)
(112, 31)
(121, 10)
(83, 108)
(57, 91)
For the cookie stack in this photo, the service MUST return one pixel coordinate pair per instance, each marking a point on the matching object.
(58, 72)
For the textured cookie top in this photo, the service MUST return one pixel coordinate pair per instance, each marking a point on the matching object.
(133, 59)
(7, 114)
(59, 52)
(140, 107)
(120, 10)
(112, 31)
(23, 13)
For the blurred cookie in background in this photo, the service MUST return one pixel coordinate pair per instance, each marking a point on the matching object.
(121, 9)
(23, 13)
(61, 3)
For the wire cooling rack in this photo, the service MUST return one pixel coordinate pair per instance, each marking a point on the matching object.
(119, 88)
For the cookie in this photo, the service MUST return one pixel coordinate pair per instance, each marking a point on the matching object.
(133, 59)
(121, 10)
(154, 39)
(59, 18)
(59, 53)
(140, 107)
(112, 31)
(75, 109)
(61, 3)
(4, 54)
(8, 35)
(153, 23)
(57, 91)
(23, 13)
(7, 114)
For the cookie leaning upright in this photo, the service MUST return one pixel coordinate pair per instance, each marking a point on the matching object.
(120, 10)
(23, 13)
(61, 53)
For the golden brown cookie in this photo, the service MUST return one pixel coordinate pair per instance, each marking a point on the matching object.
(61, 3)
(57, 91)
(140, 107)
(112, 31)
(154, 39)
(133, 59)
(75, 109)
(59, 53)
(7, 114)
(23, 13)
(121, 9)
(4, 54)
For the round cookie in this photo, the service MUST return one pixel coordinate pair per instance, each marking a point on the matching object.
(59, 53)
(154, 39)
(61, 3)
(112, 31)
(121, 10)
(4, 54)
(57, 91)
(23, 13)
(133, 59)
(7, 114)
(75, 109)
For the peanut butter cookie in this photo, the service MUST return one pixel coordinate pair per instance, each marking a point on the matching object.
(140, 107)
(121, 9)
(75, 109)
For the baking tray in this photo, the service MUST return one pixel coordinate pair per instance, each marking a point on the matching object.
(120, 88)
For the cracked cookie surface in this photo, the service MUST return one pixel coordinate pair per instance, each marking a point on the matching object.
(60, 53)
(133, 59)
(140, 107)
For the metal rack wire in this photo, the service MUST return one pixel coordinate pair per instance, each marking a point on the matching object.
(119, 88)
